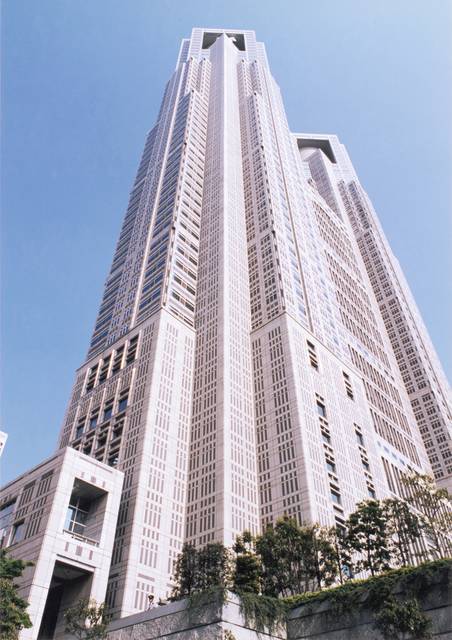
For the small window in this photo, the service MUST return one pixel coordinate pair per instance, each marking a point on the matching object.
(371, 492)
(104, 369)
(79, 430)
(321, 410)
(18, 532)
(117, 362)
(132, 350)
(93, 421)
(360, 438)
(335, 496)
(348, 386)
(312, 355)
(91, 378)
(122, 404)
(331, 467)
(77, 515)
(108, 411)
(6, 516)
(113, 459)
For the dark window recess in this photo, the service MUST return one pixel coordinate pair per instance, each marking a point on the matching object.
(88, 447)
(93, 421)
(359, 437)
(331, 467)
(321, 409)
(18, 532)
(132, 350)
(91, 378)
(312, 355)
(77, 515)
(123, 399)
(113, 458)
(117, 362)
(108, 410)
(117, 429)
(348, 386)
(371, 492)
(102, 440)
(104, 369)
(335, 496)
(80, 427)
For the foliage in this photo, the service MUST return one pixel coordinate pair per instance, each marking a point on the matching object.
(202, 570)
(403, 617)
(185, 573)
(214, 567)
(87, 620)
(435, 511)
(13, 614)
(391, 617)
(247, 576)
(404, 529)
(340, 553)
(414, 580)
(321, 555)
(368, 536)
(295, 558)
(262, 613)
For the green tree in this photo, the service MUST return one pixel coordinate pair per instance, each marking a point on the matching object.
(185, 572)
(404, 529)
(319, 554)
(202, 569)
(247, 575)
(340, 553)
(295, 558)
(214, 567)
(368, 536)
(13, 614)
(87, 620)
(435, 511)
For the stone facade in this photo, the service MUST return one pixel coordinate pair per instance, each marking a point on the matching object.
(176, 621)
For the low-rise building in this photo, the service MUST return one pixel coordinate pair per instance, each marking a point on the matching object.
(61, 516)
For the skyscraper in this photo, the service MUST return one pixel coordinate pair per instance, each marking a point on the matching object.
(240, 366)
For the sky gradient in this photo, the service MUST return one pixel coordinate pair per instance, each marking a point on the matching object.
(82, 84)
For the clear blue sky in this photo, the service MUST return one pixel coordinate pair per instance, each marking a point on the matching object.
(82, 82)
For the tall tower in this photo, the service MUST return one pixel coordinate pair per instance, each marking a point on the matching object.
(419, 365)
(239, 368)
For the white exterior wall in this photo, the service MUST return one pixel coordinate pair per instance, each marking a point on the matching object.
(42, 498)
(417, 368)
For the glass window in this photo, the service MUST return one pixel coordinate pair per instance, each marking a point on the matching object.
(76, 516)
(6, 516)
(122, 403)
(335, 496)
(108, 411)
(18, 532)
(359, 438)
(93, 421)
(321, 409)
(330, 466)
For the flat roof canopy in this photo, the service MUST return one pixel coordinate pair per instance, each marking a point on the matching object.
(318, 143)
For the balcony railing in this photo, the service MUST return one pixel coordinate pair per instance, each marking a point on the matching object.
(81, 538)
